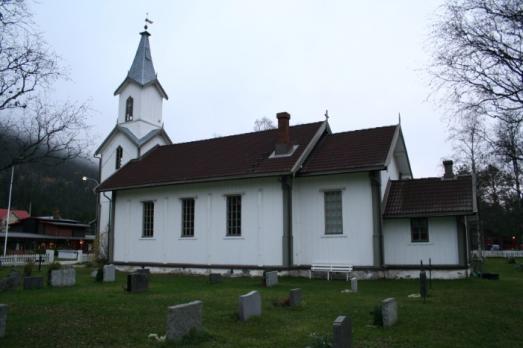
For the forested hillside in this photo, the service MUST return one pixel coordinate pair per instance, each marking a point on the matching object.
(46, 187)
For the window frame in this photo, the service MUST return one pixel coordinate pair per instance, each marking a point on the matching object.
(233, 214)
(118, 159)
(129, 109)
(148, 219)
(328, 225)
(187, 225)
(416, 236)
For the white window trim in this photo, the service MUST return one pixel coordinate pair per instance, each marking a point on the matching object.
(343, 233)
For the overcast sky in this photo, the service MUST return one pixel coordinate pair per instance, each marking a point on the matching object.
(226, 63)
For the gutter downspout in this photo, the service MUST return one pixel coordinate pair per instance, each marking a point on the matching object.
(377, 217)
(110, 237)
(287, 240)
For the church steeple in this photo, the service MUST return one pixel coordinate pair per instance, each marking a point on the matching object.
(142, 70)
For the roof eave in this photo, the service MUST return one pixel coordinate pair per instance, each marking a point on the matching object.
(196, 181)
(344, 171)
(428, 214)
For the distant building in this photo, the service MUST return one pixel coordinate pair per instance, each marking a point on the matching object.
(14, 216)
(47, 232)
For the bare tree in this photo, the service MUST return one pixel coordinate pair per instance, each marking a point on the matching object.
(478, 59)
(26, 63)
(263, 123)
(43, 133)
(508, 145)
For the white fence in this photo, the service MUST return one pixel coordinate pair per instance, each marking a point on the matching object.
(20, 260)
(500, 253)
(64, 256)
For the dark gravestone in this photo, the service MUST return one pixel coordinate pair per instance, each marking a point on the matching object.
(295, 297)
(3, 319)
(215, 278)
(137, 282)
(145, 271)
(423, 288)
(181, 319)
(342, 332)
(12, 281)
(490, 276)
(33, 283)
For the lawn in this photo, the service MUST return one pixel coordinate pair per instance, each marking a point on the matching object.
(459, 313)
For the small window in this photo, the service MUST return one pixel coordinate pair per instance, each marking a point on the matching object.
(234, 215)
(188, 217)
(148, 219)
(419, 230)
(119, 155)
(129, 109)
(333, 212)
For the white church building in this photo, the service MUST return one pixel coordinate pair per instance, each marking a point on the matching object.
(285, 199)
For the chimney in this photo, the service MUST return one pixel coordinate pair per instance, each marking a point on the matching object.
(283, 144)
(449, 173)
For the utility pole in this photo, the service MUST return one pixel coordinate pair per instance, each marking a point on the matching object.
(8, 210)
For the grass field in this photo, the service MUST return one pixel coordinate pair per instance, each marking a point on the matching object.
(458, 313)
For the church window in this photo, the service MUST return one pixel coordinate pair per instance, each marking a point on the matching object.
(129, 109)
(148, 219)
(188, 217)
(234, 215)
(119, 155)
(419, 230)
(333, 212)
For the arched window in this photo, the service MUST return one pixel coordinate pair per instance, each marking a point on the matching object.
(119, 154)
(129, 109)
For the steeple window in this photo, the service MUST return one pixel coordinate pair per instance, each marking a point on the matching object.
(129, 109)
(119, 155)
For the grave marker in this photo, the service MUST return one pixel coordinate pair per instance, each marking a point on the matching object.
(109, 274)
(250, 305)
(389, 311)
(3, 319)
(354, 284)
(183, 318)
(342, 332)
(295, 297)
(271, 278)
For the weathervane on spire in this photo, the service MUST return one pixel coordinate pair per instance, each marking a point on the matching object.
(326, 114)
(147, 20)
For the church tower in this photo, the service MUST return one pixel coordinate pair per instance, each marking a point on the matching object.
(139, 127)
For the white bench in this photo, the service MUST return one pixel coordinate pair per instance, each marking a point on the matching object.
(331, 268)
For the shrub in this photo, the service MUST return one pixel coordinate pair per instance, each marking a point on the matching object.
(28, 268)
(100, 274)
(53, 266)
(377, 317)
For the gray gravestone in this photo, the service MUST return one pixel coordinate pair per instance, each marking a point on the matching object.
(63, 277)
(271, 278)
(389, 311)
(295, 297)
(181, 319)
(94, 273)
(33, 283)
(109, 273)
(14, 279)
(137, 282)
(342, 332)
(354, 284)
(250, 305)
(3, 319)
(215, 278)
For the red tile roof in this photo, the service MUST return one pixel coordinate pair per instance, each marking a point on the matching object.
(430, 197)
(21, 214)
(232, 156)
(360, 149)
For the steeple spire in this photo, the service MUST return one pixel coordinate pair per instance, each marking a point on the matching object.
(142, 70)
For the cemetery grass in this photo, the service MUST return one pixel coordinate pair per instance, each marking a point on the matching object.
(459, 313)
